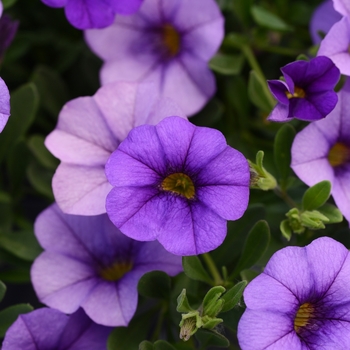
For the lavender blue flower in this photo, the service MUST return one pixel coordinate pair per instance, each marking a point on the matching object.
(89, 129)
(301, 301)
(88, 263)
(84, 14)
(45, 328)
(321, 151)
(307, 92)
(336, 44)
(342, 6)
(177, 183)
(4, 104)
(168, 41)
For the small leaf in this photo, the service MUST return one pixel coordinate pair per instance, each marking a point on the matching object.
(163, 345)
(255, 246)
(257, 92)
(212, 323)
(155, 284)
(227, 64)
(182, 303)
(2, 290)
(317, 195)
(194, 269)
(40, 178)
(210, 338)
(331, 212)
(248, 275)
(10, 314)
(286, 229)
(211, 303)
(146, 345)
(269, 20)
(233, 296)
(37, 146)
(8, 3)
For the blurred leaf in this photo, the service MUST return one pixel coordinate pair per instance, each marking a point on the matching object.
(146, 345)
(210, 114)
(227, 64)
(235, 40)
(162, 345)
(255, 246)
(242, 10)
(286, 229)
(24, 104)
(194, 269)
(37, 146)
(257, 92)
(5, 211)
(155, 284)
(248, 275)
(2, 290)
(233, 296)
(40, 178)
(8, 3)
(22, 244)
(315, 196)
(10, 314)
(331, 212)
(282, 146)
(211, 338)
(269, 20)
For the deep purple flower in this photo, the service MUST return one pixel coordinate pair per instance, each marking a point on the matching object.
(307, 92)
(177, 183)
(168, 41)
(4, 104)
(321, 151)
(322, 20)
(84, 14)
(45, 329)
(8, 30)
(301, 301)
(336, 44)
(88, 263)
(89, 129)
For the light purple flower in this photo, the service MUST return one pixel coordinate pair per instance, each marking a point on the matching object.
(177, 183)
(168, 41)
(321, 151)
(84, 14)
(1, 8)
(342, 6)
(89, 129)
(45, 329)
(4, 104)
(88, 263)
(322, 20)
(301, 301)
(307, 92)
(336, 44)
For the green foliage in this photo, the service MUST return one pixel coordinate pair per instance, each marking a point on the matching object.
(227, 64)
(2, 290)
(194, 269)
(233, 296)
(257, 92)
(210, 338)
(155, 284)
(268, 19)
(316, 195)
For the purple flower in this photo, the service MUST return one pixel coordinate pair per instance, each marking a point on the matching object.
(88, 263)
(89, 129)
(8, 30)
(44, 329)
(168, 41)
(1, 8)
(342, 6)
(321, 151)
(4, 104)
(336, 44)
(84, 14)
(177, 183)
(307, 92)
(301, 301)
(322, 20)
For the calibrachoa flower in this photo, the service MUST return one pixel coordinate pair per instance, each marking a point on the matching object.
(336, 44)
(1, 8)
(4, 104)
(321, 151)
(89, 129)
(177, 183)
(88, 263)
(307, 92)
(84, 14)
(45, 329)
(301, 301)
(168, 41)
(342, 6)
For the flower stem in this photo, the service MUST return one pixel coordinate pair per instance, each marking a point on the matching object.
(212, 268)
(283, 194)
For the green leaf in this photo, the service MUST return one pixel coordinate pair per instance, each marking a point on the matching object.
(10, 314)
(210, 338)
(155, 284)
(211, 303)
(210, 114)
(317, 195)
(24, 104)
(242, 10)
(255, 246)
(269, 20)
(2, 290)
(45, 158)
(233, 296)
(163, 345)
(146, 345)
(248, 275)
(286, 229)
(282, 146)
(194, 269)
(227, 64)
(332, 213)
(182, 303)
(8, 3)
(40, 178)
(257, 92)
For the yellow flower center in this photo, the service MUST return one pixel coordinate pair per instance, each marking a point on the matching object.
(339, 154)
(298, 93)
(115, 271)
(171, 39)
(179, 183)
(303, 316)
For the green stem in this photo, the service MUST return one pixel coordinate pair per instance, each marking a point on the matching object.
(160, 320)
(279, 50)
(285, 197)
(212, 268)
